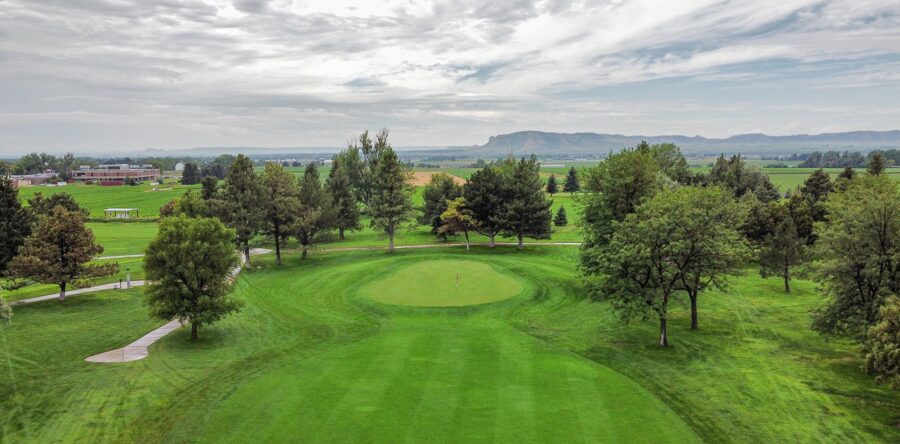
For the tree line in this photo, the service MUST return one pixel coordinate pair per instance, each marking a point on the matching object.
(853, 159)
(654, 232)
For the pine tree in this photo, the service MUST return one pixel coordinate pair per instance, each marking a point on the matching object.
(560, 220)
(59, 251)
(485, 198)
(191, 174)
(340, 187)
(552, 187)
(210, 185)
(239, 203)
(391, 203)
(782, 250)
(279, 193)
(316, 213)
(572, 184)
(15, 222)
(526, 210)
(876, 164)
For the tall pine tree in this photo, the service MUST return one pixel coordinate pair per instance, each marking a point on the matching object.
(239, 203)
(484, 198)
(316, 212)
(552, 187)
(572, 184)
(391, 204)
(340, 187)
(526, 210)
(15, 222)
(279, 192)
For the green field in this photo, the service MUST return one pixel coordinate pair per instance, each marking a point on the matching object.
(312, 358)
(96, 198)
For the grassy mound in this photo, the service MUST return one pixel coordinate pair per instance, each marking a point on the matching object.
(442, 283)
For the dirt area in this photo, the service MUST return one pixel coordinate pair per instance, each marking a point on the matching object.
(421, 178)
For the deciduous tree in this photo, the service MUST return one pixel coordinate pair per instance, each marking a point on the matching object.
(457, 218)
(43, 206)
(882, 346)
(189, 266)
(436, 195)
(781, 251)
(858, 245)
(59, 251)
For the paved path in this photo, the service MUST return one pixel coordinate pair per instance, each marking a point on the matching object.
(139, 349)
(110, 286)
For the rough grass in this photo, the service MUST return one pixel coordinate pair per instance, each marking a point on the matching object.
(310, 359)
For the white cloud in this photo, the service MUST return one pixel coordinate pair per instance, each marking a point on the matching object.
(89, 74)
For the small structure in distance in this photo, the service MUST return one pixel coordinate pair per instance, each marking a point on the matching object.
(122, 213)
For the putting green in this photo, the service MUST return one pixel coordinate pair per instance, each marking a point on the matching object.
(443, 283)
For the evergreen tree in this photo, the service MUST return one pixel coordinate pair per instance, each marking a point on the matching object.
(560, 220)
(484, 193)
(391, 203)
(279, 195)
(340, 187)
(816, 189)
(239, 204)
(189, 266)
(191, 174)
(59, 251)
(350, 161)
(315, 213)
(572, 184)
(552, 187)
(210, 185)
(15, 222)
(458, 218)
(526, 210)
(437, 195)
(876, 164)
(782, 250)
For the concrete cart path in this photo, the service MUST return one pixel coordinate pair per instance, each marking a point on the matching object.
(110, 286)
(139, 349)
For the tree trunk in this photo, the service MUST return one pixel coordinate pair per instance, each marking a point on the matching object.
(194, 329)
(62, 291)
(247, 254)
(663, 337)
(787, 279)
(521, 244)
(341, 233)
(693, 297)
(391, 243)
(277, 249)
(492, 244)
(303, 254)
(466, 232)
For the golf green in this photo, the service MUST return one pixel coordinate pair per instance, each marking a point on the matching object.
(443, 283)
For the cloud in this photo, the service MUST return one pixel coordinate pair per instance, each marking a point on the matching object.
(91, 74)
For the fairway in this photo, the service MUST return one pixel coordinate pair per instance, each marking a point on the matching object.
(313, 358)
(442, 284)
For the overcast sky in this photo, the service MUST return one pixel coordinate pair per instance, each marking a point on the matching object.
(111, 75)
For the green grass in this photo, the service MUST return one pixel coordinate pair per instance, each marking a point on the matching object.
(133, 266)
(97, 198)
(120, 239)
(442, 283)
(312, 359)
